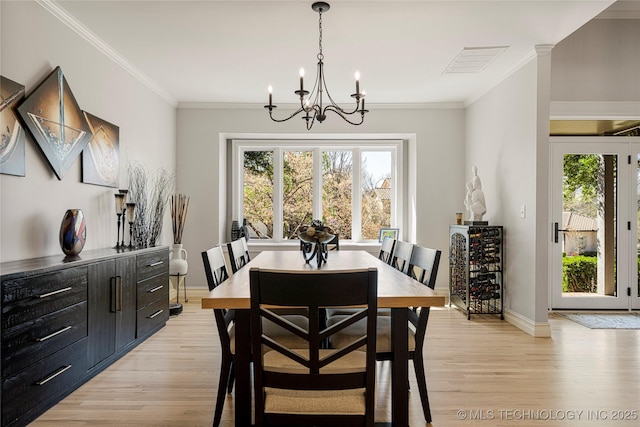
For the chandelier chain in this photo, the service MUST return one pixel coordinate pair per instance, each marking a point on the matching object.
(320, 55)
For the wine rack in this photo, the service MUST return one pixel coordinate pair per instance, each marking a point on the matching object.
(476, 257)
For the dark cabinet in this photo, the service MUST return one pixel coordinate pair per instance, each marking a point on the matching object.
(44, 322)
(112, 307)
(63, 321)
(153, 292)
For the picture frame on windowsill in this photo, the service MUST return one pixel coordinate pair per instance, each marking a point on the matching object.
(388, 232)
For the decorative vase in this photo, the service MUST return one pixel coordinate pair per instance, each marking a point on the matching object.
(73, 232)
(235, 230)
(178, 260)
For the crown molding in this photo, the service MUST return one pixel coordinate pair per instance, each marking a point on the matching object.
(63, 16)
(251, 106)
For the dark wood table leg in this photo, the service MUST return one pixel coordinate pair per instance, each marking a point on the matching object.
(399, 367)
(242, 361)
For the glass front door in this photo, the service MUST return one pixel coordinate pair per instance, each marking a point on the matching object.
(595, 204)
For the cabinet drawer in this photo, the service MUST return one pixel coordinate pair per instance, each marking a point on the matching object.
(33, 297)
(152, 264)
(152, 290)
(41, 384)
(30, 341)
(152, 316)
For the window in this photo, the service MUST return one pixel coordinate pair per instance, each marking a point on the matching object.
(352, 186)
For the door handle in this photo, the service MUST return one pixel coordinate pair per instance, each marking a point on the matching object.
(556, 230)
(114, 297)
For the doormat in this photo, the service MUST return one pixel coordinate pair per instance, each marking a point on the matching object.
(605, 320)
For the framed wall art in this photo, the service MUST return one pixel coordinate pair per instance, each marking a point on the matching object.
(100, 158)
(388, 232)
(56, 122)
(11, 131)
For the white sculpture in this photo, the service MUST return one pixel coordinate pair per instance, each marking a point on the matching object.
(474, 200)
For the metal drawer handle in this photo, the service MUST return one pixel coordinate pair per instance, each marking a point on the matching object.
(157, 313)
(55, 374)
(155, 263)
(53, 334)
(157, 288)
(59, 291)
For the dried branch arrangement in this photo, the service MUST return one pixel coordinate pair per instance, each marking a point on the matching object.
(179, 207)
(151, 199)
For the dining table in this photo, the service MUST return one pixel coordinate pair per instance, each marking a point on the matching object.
(396, 291)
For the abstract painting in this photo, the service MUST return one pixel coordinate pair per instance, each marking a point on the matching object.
(56, 122)
(100, 161)
(11, 131)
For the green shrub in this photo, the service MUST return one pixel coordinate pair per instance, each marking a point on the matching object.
(579, 274)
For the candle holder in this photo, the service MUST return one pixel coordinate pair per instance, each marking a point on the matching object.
(119, 211)
(124, 211)
(131, 216)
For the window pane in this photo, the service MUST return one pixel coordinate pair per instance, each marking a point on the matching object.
(258, 193)
(589, 219)
(297, 191)
(376, 192)
(337, 182)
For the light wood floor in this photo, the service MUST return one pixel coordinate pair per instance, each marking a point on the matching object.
(482, 372)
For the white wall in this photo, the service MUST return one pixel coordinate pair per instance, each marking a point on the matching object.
(502, 137)
(598, 62)
(33, 43)
(440, 178)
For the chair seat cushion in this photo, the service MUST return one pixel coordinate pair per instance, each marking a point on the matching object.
(358, 329)
(279, 334)
(314, 401)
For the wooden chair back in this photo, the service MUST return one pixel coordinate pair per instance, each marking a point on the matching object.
(402, 256)
(423, 265)
(238, 254)
(386, 250)
(310, 372)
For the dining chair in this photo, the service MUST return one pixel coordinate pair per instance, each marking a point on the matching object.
(386, 249)
(423, 266)
(215, 269)
(238, 254)
(310, 385)
(216, 272)
(401, 256)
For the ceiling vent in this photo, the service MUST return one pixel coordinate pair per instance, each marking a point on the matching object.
(473, 59)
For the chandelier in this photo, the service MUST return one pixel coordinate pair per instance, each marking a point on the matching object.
(312, 104)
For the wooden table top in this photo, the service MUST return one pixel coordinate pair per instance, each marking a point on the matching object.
(395, 289)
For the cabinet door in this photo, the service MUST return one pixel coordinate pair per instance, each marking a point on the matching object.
(102, 308)
(126, 306)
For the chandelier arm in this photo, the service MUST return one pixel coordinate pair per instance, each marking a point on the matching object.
(298, 111)
(337, 106)
(346, 119)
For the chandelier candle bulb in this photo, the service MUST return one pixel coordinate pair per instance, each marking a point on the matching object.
(270, 89)
(301, 84)
(357, 83)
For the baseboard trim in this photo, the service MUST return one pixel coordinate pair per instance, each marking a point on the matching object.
(535, 329)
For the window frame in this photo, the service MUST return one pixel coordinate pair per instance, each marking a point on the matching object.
(357, 146)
